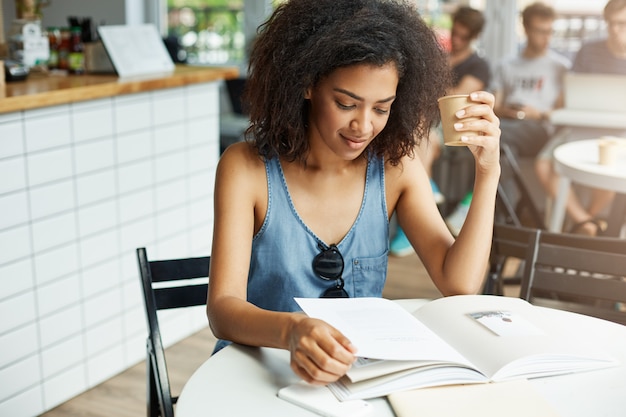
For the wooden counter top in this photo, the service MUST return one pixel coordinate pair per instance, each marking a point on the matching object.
(48, 90)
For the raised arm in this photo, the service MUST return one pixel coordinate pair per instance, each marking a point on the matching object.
(456, 266)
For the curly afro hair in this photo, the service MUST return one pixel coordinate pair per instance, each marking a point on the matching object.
(305, 40)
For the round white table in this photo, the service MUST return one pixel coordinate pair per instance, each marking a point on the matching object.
(578, 162)
(243, 381)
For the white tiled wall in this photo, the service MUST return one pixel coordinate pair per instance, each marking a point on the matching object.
(81, 187)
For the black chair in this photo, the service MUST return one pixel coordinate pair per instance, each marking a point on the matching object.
(578, 273)
(509, 241)
(515, 206)
(177, 293)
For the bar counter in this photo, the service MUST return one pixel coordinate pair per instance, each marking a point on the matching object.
(41, 90)
(92, 167)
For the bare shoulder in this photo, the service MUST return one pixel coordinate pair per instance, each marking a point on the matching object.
(241, 157)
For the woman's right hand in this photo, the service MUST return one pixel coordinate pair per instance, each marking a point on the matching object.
(320, 354)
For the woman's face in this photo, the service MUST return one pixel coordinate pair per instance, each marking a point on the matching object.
(350, 107)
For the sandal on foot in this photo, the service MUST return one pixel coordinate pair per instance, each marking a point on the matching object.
(599, 224)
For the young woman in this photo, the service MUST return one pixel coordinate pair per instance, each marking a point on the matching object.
(337, 91)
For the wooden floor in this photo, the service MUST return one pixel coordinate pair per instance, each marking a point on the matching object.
(124, 395)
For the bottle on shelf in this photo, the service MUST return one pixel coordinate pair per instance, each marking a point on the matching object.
(64, 49)
(54, 40)
(77, 52)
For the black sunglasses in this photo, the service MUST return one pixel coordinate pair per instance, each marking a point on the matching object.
(328, 265)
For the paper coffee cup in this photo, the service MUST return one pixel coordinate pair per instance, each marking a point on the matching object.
(607, 150)
(448, 106)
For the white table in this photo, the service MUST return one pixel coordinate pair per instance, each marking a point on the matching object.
(578, 162)
(243, 381)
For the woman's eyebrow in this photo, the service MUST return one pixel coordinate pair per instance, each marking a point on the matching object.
(354, 96)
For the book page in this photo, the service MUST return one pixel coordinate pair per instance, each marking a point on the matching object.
(381, 329)
(530, 345)
(510, 399)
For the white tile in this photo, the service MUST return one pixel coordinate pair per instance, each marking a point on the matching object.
(14, 244)
(101, 278)
(201, 211)
(61, 325)
(201, 185)
(134, 146)
(135, 319)
(15, 116)
(103, 336)
(17, 311)
(176, 246)
(56, 263)
(132, 114)
(13, 174)
(168, 106)
(135, 349)
(52, 199)
(171, 194)
(170, 166)
(94, 156)
(104, 366)
(92, 122)
(54, 231)
(25, 404)
(136, 206)
(11, 139)
(135, 176)
(201, 159)
(199, 130)
(135, 235)
(98, 248)
(58, 295)
(202, 100)
(172, 222)
(64, 386)
(61, 356)
(105, 306)
(49, 166)
(18, 344)
(48, 111)
(16, 277)
(200, 239)
(96, 187)
(97, 218)
(169, 138)
(14, 209)
(19, 376)
(47, 132)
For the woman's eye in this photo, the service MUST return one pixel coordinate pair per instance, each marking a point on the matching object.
(382, 111)
(344, 106)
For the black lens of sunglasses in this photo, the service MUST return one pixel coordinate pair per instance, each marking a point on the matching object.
(328, 265)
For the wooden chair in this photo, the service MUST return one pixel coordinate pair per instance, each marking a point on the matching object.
(177, 293)
(509, 241)
(578, 273)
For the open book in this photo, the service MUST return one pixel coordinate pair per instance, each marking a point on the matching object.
(452, 340)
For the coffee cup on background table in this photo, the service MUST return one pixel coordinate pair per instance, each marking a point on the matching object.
(608, 149)
(448, 106)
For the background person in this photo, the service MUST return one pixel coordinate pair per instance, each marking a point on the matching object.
(337, 91)
(470, 72)
(605, 56)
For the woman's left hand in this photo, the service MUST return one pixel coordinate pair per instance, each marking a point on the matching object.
(486, 146)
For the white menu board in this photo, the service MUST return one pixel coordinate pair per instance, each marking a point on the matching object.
(136, 50)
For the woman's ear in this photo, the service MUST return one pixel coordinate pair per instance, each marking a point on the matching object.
(307, 93)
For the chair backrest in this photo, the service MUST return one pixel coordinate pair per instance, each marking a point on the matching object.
(166, 284)
(578, 273)
(506, 206)
(509, 241)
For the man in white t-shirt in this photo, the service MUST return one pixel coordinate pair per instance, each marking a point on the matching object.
(529, 86)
